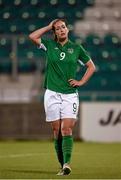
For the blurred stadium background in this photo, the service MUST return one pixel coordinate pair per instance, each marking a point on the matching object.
(96, 24)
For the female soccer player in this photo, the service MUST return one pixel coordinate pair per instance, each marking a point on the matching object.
(61, 96)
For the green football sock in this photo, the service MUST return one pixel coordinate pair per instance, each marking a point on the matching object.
(58, 148)
(67, 145)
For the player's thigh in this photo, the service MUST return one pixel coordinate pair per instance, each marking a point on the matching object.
(56, 125)
(67, 126)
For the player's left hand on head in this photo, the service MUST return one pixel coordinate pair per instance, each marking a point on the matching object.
(74, 83)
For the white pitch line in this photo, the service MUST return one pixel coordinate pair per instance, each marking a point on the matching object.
(37, 154)
(20, 155)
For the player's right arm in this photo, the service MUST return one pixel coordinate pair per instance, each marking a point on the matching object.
(36, 35)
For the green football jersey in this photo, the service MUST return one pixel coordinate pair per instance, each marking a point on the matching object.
(62, 64)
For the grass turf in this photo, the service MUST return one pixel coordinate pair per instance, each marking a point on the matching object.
(37, 160)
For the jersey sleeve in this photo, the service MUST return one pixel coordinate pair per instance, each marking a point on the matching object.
(44, 44)
(83, 55)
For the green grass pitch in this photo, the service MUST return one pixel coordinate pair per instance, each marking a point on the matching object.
(37, 160)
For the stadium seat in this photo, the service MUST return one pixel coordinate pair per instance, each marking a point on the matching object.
(5, 47)
(5, 66)
(111, 40)
(26, 66)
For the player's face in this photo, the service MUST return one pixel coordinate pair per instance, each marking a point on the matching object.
(61, 30)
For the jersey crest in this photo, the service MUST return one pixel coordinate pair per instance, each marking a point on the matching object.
(70, 50)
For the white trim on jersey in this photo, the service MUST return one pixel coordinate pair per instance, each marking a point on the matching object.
(80, 62)
(42, 46)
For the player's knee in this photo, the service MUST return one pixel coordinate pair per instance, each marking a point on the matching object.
(66, 131)
(55, 131)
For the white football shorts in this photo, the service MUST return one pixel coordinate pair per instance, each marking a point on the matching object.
(60, 106)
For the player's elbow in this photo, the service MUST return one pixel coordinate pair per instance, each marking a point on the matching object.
(93, 67)
(31, 37)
